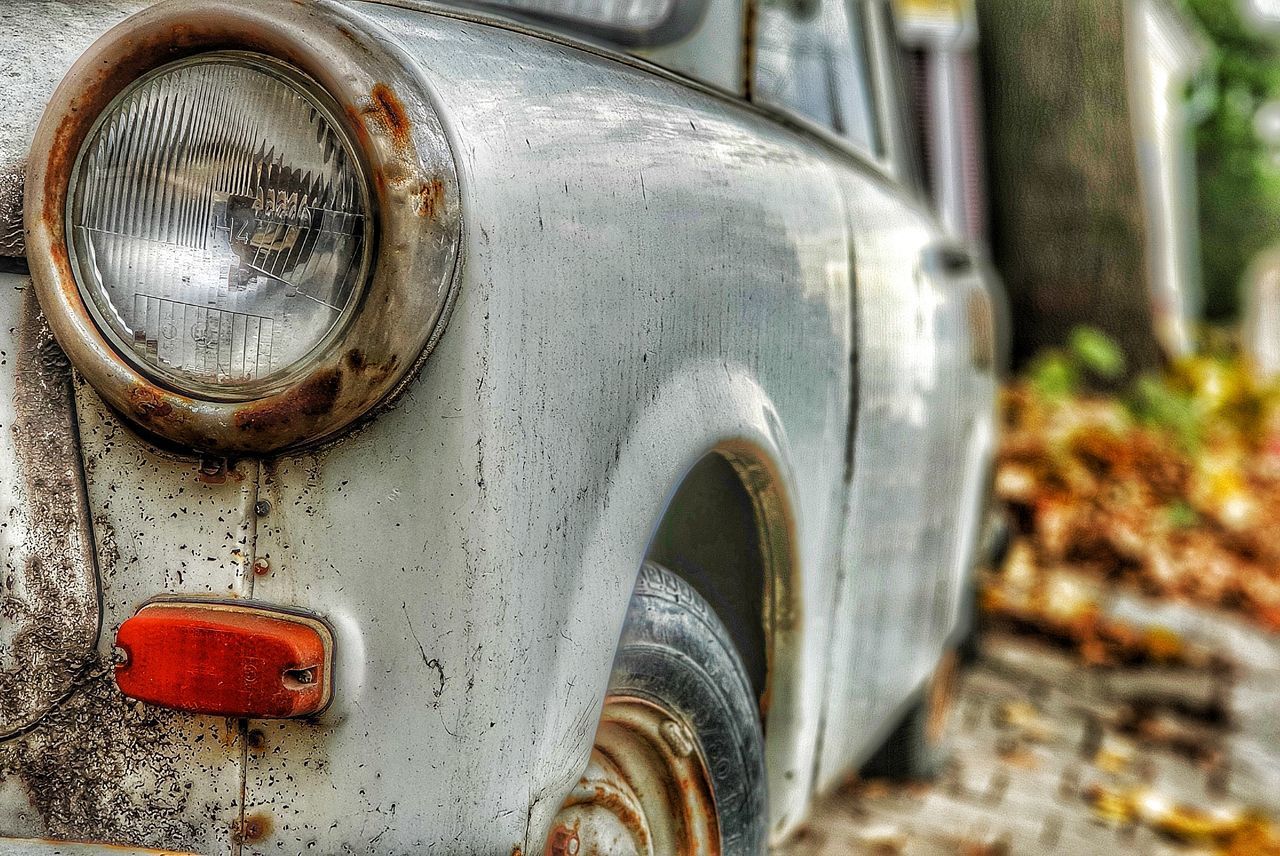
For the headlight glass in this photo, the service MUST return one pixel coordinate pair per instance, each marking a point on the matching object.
(220, 224)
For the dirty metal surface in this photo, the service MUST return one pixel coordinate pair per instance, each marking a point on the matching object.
(46, 847)
(41, 39)
(921, 451)
(492, 522)
(649, 272)
(147, 776)
(98, 766)
(49, 594)
(12, 242)
(588, 363)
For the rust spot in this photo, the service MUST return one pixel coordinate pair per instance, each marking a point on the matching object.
(619, 808)
(254, 827)
(313, 398)
(149, 405)
(430, 198)
(212, 470)
(386, 112)
(356, 360)
(564, 841)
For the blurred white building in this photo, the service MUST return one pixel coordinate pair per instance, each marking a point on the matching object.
(939, 40)
(1163, 51)
(1260, 326)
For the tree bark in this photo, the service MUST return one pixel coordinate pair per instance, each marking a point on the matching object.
(1068, 232)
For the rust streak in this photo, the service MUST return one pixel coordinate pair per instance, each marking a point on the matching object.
(255, 827)
(619, 808)
(388, 114)
(430, 198)
(313, 398)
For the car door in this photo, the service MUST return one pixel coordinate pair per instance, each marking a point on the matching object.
(918, 434)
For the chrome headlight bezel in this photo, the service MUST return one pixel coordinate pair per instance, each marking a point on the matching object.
(385, 107)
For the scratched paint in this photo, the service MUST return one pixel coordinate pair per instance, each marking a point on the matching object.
(493, 520)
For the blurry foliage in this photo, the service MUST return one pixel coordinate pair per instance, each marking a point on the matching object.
(1097, 352)
(1196, 399)
(1170, 483)
(1090, 355)
(1238, 176)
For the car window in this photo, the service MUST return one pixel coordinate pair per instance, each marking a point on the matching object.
(639, 23)
(811, 58)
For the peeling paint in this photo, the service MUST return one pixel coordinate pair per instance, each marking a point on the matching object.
(99, 765)
(12, 239)
(49, 610)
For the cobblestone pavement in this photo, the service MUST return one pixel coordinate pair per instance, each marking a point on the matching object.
(1047, 752)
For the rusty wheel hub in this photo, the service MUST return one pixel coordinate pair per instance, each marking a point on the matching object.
(645, 792)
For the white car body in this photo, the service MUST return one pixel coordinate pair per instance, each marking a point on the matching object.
(651, 271)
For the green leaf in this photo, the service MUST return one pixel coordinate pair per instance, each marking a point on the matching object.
(1053, 375)
(1181, 515)
(1156, 404)
(1097, 352)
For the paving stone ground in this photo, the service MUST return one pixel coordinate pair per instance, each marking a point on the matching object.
(1038, 736)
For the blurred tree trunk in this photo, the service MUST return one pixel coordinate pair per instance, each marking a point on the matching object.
(1067, 223)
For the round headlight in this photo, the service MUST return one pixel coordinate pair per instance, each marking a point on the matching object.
(219, 224)
(243, 221)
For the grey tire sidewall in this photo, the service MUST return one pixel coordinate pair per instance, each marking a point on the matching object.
(675, 651)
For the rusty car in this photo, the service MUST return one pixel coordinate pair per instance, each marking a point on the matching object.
(501, 427)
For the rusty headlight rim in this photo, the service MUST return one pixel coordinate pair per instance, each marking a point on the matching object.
(319, 101)
(387, 109)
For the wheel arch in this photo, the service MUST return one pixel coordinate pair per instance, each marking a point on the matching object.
(728, 531)
(704, 410)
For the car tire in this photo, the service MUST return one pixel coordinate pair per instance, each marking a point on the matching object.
(675, 650)
(917, 748)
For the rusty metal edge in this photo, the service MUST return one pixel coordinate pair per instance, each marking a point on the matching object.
(390, 111)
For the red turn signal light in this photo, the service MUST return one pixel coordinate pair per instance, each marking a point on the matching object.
(226, 659)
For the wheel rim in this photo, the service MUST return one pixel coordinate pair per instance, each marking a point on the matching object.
(645, 792)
